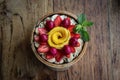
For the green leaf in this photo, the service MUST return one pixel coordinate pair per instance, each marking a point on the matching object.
(77, 28)
(84, 28)
(81, 18)
(85, 35)
(87, 23)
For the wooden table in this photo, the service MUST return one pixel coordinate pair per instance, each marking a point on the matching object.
(102, 58)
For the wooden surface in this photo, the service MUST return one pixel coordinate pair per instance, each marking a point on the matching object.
(102, 58)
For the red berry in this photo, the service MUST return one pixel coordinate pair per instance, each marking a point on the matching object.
(59, 56)
(68, 56)
(72, 34)
(43, 43)
(73, 41)
(49, 56)
(67, 49)
(65, 23)
(57, 21)
(53, 51)
(68, 18)
(78, 44)
(77, 36)
(36, 38)
(49, 25)
(42, 31)
(72, 49)
(43, 48)
(70, 28)
(43, 38)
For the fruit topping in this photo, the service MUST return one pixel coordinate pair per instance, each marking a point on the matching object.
(49, 56)
(42, 31)
(72, 34)
(71, 27)
(68, 56)
(77, 35)
(59, 56)
(49, 25)
(36, 38)
(73, 41)
(43, 43)
(72, 49)
(43, 38)
(53, 51)
(65, 23)
(67, 49)
(57, 21)
(58, 37)
(78, 44)
(43, 48)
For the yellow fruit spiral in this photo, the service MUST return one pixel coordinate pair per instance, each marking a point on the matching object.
(58, 37)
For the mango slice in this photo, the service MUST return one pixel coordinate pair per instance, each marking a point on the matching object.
(58, 37)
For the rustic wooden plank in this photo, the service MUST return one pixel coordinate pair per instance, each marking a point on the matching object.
(0, 51)
(72, 6)
(96, 63)
(114, 12)
(1, 18)
(99, 53)
(18, 60)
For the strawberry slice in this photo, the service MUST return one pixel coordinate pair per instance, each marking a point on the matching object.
(43, 43)
(78, 44)
(57, 21)
(77, 36)
(49, 56)
(43, 48)
(68, 56)
(68, 18)
(59, 56)
(42, 31)
(70, 28)
(36, 38)
(72, 34)
(72, 49)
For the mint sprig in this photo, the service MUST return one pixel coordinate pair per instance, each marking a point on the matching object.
(87, 23)
(81, 27)
(81, 18)
(85, 36)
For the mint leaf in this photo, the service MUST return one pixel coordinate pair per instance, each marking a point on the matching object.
(85, 35)
(81, 27)
(77, 28)
(81, 18)
(87, 23)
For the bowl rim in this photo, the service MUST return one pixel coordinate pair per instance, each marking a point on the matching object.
(49, 64)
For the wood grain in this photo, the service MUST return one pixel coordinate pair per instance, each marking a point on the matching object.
(18, 60)
(102, 58)
(99, 52)
(114, 12)
(96, 64)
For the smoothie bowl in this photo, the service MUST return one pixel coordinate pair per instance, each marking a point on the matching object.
(60, 39)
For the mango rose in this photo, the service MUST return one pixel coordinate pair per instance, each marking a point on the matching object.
(58, 37)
